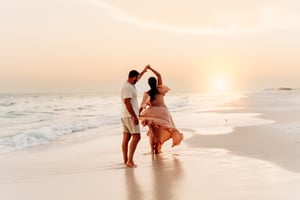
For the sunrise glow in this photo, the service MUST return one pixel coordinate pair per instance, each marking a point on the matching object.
(219, 85)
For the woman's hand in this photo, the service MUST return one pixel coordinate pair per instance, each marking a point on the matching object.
(157, 74)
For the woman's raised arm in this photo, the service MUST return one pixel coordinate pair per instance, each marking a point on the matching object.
(157, 74)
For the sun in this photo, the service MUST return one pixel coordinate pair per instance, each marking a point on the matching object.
(220, 85)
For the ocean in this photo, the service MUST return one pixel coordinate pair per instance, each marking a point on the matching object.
(28, 120)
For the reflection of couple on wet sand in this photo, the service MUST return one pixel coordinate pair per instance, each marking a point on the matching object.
(163, 180)
(153, 113)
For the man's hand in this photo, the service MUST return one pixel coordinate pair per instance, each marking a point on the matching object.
(142, 73)
(146, 68)
(136, 120)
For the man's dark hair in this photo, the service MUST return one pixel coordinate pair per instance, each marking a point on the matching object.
(133, 73)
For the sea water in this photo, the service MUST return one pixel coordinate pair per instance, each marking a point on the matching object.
(28, 120)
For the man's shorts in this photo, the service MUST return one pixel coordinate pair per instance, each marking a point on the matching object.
(129, 126)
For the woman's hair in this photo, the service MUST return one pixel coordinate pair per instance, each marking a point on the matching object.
(153, 85)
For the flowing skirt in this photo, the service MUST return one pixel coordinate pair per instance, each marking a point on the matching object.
(161, 125)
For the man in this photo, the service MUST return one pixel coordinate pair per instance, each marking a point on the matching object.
(129, 117)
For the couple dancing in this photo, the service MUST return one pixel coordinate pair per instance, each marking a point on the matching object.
(152, 113)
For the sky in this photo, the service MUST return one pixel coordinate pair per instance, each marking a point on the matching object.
(197, 46)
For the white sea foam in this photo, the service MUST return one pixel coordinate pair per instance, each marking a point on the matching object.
(44, 135)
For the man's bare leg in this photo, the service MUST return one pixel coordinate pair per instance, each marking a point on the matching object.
(126, 138)
(134, 141)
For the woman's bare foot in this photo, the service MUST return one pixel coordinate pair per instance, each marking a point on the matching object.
(131, 165)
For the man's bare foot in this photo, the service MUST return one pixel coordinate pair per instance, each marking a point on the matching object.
(131, 164)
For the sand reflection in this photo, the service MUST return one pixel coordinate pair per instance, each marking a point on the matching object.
(162, 181)
(167, 173)
(134, 191)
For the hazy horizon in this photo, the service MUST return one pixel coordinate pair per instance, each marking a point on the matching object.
(200, 46)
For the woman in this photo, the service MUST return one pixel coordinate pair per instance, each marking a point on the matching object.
(155, 114)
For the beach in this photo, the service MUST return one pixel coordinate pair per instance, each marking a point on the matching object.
(246, 148)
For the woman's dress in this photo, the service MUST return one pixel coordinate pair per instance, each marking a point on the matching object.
(157, 115)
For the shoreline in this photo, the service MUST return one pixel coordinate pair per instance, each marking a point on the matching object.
(264, 142)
